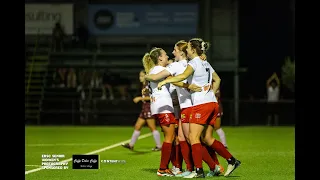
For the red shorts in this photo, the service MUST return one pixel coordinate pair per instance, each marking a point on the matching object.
(204, 113)
(145, 112)
(185, 114)
(165, 119)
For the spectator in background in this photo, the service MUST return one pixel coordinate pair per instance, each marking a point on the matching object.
(84, 77)
(96, 80)
(273, 91)
(71, 79)
(57, 37)
(82, 35)
(113, 80)
(59, 77)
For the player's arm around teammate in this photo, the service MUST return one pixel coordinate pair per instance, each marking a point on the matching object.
(144, 117)
(161, 106)
(205, 106)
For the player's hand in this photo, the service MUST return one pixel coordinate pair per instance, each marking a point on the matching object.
(195, 88)
(160, 84)
(137, 99)
(144, 91)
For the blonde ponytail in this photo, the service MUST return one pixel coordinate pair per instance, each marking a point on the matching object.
(148, 64)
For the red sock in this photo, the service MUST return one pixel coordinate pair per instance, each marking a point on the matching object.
(213, 154)
(220, 149)
(207, 158)
(186, 154)
(178, 157)
(173, 155)
(197, 155)
(165, 155)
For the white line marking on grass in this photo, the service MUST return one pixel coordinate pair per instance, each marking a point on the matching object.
(63, 144)
(94, 152)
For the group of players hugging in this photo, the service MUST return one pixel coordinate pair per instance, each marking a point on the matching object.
(183, 97)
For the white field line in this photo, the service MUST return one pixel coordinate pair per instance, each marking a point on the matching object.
(62, 144)
(94, 152)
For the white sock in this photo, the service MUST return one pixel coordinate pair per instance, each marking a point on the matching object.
(134, 137)
(156, 136)
(222, 136)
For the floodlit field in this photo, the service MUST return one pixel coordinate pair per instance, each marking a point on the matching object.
(266, 153)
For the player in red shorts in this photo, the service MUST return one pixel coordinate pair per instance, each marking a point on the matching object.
(205, 106)
(161, 106)
(186, 106)
(144, 117)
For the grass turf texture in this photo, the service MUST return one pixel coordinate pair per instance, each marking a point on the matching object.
(266, 153)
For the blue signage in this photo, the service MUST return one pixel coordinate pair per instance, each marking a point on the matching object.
(143, 19)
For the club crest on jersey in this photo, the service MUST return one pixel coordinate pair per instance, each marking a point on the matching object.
(197, 115)
(183, 116)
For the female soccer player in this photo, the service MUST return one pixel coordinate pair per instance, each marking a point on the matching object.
(177, 68)
(161, 106)
(205, 106)
(144, 117)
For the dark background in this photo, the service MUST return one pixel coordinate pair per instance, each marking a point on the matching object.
(266, 33)
(266, 37)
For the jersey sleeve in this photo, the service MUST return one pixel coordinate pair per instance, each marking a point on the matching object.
(172, 68)
(193, 64)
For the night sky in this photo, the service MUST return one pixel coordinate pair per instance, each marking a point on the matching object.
(266, 38)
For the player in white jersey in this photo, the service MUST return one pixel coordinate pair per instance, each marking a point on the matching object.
(161, 106)
(185, 103)
(205, 106)
(174, 69)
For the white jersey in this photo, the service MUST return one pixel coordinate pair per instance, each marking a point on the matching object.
(202, 76)
(184, 95)
(161, 101)
(273, 94)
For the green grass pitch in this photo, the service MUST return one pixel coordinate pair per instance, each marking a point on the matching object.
(266, 153)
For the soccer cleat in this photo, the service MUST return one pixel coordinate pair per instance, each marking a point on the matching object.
(191, 175)
(232, 167)
(183, 174)
(216, 172)
(173, 168)
(127, 145)
(166, 172)
(176, 171)
(156, 149)
(196, 174)
(221, 169)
